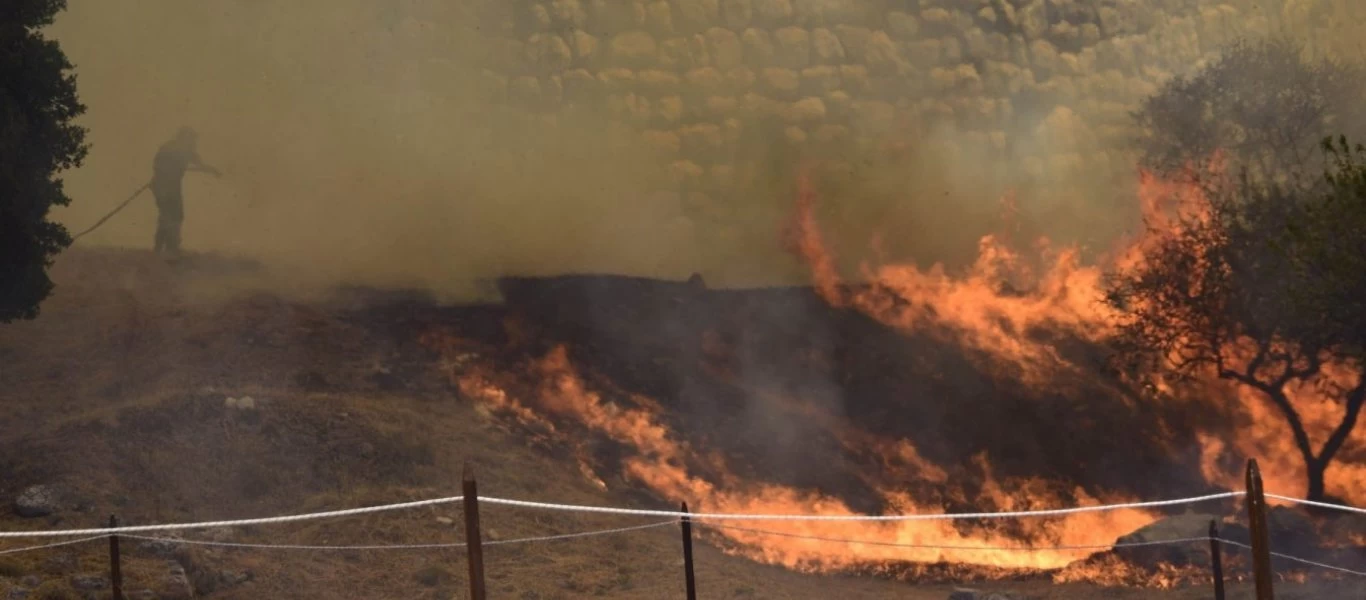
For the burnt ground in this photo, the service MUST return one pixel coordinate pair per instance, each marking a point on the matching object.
(118, 395)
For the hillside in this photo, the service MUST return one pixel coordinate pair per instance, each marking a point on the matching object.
(119, 396)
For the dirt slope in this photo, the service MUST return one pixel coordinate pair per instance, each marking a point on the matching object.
(119, 393)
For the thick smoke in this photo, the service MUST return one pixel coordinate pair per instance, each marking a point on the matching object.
(359, 147)
(354, 146)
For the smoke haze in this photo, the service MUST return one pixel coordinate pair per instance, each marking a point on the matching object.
(358, 146)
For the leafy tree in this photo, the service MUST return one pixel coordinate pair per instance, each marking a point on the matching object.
(1262, 104)
(1216, 295)
(37, 141)
(1326, 243)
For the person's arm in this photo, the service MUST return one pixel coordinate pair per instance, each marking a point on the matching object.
(197, 164)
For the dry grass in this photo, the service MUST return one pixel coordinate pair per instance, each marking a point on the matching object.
(119, 392)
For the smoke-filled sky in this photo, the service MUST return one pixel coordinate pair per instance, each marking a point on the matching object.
(335, 164)
(356, 149)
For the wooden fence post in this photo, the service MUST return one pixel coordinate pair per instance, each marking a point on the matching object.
(690, 583)
(474, 548)
(115, 569)
(1216, 559)
(1261, 544)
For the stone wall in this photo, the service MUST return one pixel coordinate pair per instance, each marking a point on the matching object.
(1047, 84)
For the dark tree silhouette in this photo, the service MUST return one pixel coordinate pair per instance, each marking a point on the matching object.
(37, 141)
(1256, 284)
(1217, 294)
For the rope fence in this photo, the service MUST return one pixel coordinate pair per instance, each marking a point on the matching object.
(52, 545)
(1297, 559)
(607, 510)
(576, 508)
(1338, 507)
(331, 514)
(470, 500)
(524, 540)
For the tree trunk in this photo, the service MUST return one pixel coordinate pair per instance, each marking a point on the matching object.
(1313, 466)
(1315, 469)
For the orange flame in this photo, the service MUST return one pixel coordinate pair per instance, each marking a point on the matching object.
(998, 302)
(660, 461)
(1005, 304)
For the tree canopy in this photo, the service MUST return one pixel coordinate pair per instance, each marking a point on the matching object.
(1261, 103)
(38, 140)
(1259, 282)
(1326, 244)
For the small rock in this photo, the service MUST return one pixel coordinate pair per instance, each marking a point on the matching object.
(163, 547)
(773, 12)
(432, 576)
(737, 13)
(806, 110)
(176, 585)
(637, 48)
(89, 581)
(243, 403)
(725, 48)
(826, 46)
(228, 578)
(31, 581)
(38, 501)
(1176, 527)
(793, 47)
(447, 521)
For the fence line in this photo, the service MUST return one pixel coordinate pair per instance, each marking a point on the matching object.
(542, 538)
(236, 523)
(602, 532)
(1339, 507)
(1256, 507)
(52, 545)
(671, 514)
(1296, 559)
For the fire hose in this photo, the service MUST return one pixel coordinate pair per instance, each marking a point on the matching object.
(114, 212)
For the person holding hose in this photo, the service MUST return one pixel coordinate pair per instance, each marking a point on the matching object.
(172, 160)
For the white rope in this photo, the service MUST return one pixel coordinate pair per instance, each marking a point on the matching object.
(951, 547)
(617, 511)
(52, 545)
(237, 523)
(565, 536)
(544, 538)
(1297, 559)
(1341, 507)
(799, 517)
